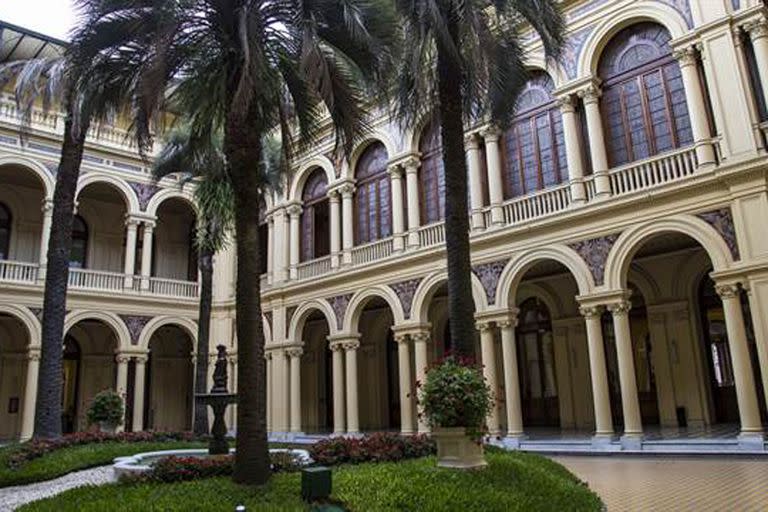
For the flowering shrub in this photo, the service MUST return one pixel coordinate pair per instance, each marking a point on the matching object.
(455, 394)
(106, 407)
(371, 448)
(39, 447)
(177, 469)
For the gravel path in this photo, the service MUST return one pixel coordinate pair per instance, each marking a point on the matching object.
(13, 497)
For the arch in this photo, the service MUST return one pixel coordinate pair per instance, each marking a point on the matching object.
(372, 202)
(371, 138)
(645, 284)
(110, 319)
(297, 185)
(30, 321)
(643, 10)
(515, 270)
(268, 339)
(185, 324)
(37, 169)
(623, 251)
(165, 194)
(362, 297)
(550, 299)
(125, 190)
(537, 62)
(427, 288)
(299, 318)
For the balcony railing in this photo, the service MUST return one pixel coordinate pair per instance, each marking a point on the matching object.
(173, 287)
(96, 279)
(313, 268)
(18, 272)
(539, 204)
(432, 234)
(372, 251)
(655, 171)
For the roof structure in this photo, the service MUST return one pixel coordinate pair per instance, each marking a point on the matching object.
(17, 43)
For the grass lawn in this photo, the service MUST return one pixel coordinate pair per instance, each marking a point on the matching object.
(512, 482)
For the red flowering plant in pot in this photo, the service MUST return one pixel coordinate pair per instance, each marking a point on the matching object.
(455, 399)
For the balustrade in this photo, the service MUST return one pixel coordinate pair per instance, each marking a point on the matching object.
(539, 204)
(173, 287)
(313, 268)
(372, 251)
(18, 272)
(432, 234)
(652, 172)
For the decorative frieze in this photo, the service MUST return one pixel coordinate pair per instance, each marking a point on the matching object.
(722, 220)
(339, 305)
(489, 274)
(135, 324)
(572, 49)
(405, 291)
(595, 253)
(144, 192)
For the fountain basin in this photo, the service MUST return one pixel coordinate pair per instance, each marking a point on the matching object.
(134, 465)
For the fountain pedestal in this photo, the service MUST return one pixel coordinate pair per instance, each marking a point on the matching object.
(218, 399)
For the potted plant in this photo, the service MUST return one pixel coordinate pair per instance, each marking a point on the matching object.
(456, 400)
(106, 411)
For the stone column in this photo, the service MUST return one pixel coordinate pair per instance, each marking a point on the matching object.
(755, 289)
(404, 372)
(495, 182)
(511, 376)
(746, 393)
(270, 249)
(294, 211)
(146, 254)
(421, 361)
(138, 393)
(129, 269)
(489, 372)
(350, 350)
(121, 385)
(758, 34)
(398, 220)
(633, 423)
(45, 234)
(348, 222)
(268, 357)
(412, 190)
(295, 356)
(591, 98)
(598, 372)
(280, 248)
(334, 203)
(475, 180)
(697, 110)
(573, 149)
(30, 394)
(339, 414)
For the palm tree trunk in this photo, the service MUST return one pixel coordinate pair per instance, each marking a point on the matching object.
(461, 307)
(243, 148)
(205, 263)
(48, 409)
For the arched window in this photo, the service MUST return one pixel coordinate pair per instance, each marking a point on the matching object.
(5, 231)
(373, 214)
(315, 233)
(78, 255)
(431, 175)
(534, 145)
(643, 103)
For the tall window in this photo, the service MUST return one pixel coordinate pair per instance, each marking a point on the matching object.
(643, 102)
(315, 232)
(5, 231)
(373, 212)
(431, 175)
(534, 145)
(78, 255)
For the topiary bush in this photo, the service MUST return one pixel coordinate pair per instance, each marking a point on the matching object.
(106, 408)
(377, 447)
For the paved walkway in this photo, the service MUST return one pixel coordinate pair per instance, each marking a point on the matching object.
(14, 497)
(670, 484)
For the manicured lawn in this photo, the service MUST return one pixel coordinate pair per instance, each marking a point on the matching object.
(512, 482)
(74, 458)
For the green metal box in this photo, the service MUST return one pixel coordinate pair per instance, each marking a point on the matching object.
(315, 483)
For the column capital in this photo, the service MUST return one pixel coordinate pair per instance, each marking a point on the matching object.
(483, 325)
(350, 345)
(33, 354)
(296, 352)
(410, 162)
(122, 358)
(591, 93)
(401, 338)
(472, 141)
(591, 311)
(567, 104)
(510, 320)
(395, 171)
(141, 358)
(149, 225)
(620, 308)
(490, 133)
(294, 210)
(132, 221)
(686, 55)
(334, 195)
(46, 205)
(757, 28)
(727, 290)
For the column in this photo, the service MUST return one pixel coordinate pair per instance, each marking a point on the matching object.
(495, 183)
(30, 394)
(294, 212)
(573, 149)
(146, 254)
(295, 356)
(697, 110)
(422, 361)
(138, 393)
(270, 249)
(633, 423)
(268, 357)
(280, 247)
(758, 34)
(412, 191)
(591, 98)
(47, 208)
(598, 372)
(335, 213)
(347, 211)
(489, 372)
(404, 372)
(755, 289)
(398, 222)
(339, 415)
(121, 384)
(475, 181)
(131, 228)
(746, 394)
(511, 376)
(350, 349)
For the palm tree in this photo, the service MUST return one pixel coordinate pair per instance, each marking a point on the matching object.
(253, 67)
(463, 62)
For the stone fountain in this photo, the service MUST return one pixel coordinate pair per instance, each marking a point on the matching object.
(219, 398)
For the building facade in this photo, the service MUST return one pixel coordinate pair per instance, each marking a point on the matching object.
(619, 251)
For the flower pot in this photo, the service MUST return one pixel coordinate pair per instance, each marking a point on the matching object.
(455, 449)
(107, 428)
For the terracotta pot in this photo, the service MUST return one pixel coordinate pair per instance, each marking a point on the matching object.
(455, 449)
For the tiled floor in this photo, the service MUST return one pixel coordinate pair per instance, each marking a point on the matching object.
(671, 484)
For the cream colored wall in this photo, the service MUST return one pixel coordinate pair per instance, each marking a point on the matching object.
(172, 241)
(106, 232)
(25, 204)
(170, 406)
(13, 345)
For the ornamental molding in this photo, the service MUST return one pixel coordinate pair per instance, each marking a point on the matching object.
(144, 192)
(38, 312)
(135, 324)
(572, 49)
(405, 291)
(489, 274)
(594, 252)
(339, 305)
(722, 220)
